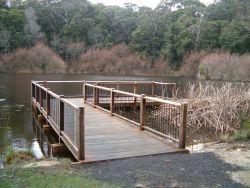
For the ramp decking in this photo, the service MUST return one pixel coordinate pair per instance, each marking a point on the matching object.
(108, 137)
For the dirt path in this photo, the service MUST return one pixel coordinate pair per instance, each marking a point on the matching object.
(216, 166)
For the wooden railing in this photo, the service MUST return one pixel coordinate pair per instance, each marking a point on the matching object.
(149, 105)
(65, 118)
(165, 118)
(157, 89)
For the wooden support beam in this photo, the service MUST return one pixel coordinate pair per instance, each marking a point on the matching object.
(46, 129)
(41, 119)
(58, 148)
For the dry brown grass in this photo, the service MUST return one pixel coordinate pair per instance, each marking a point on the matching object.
(221, 108)
(38, 59)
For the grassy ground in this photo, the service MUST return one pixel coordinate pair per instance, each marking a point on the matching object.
(46, 173)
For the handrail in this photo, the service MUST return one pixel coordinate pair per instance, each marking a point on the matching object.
(163, 101)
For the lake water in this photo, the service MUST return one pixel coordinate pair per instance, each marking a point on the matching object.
(15, 103)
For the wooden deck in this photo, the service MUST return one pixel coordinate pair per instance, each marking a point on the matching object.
(108, 137)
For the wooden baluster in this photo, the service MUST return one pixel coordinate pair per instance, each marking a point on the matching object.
(182, 128)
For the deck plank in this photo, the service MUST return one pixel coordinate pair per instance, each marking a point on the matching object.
(108, 137)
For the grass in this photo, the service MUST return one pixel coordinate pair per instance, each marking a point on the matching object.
(58, 175)
(242, 134)
(14, 156)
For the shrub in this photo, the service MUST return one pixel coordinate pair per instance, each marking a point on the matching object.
(118, 59)
(191, 64)
(227, 66)
(38, 59)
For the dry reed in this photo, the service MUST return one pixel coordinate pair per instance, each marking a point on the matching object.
(219, 107)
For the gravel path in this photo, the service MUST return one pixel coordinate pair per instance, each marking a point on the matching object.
(176, 170)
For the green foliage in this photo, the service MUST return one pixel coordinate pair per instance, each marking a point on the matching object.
(244, 132)
(11, 29)
(171, 31)
(14, 156)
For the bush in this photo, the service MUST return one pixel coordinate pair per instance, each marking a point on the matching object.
(117, 60)
(191, 63)
(38, 59)
(226, 66)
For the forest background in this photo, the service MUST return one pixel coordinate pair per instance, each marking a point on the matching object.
(177, 38)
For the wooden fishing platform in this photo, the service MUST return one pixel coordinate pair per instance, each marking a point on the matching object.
(93, 132)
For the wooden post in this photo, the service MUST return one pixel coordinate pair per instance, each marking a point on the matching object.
(32, 90)
(41, 97)
(112, 100)
(153, 89)
(83, 89)
(35, 93)
(97, 94)
(142, 112)
(94, 96)
(162, 90)
(182, 128)
(135, 87)
(61, 115)
(47, 103)
(45, 83)
(174, 94)
(85, 93)
(135, 91)
(80, 132)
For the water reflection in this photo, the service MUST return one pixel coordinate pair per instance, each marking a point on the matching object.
(40, 144)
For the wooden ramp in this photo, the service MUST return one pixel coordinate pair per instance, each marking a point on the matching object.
(108, 137)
